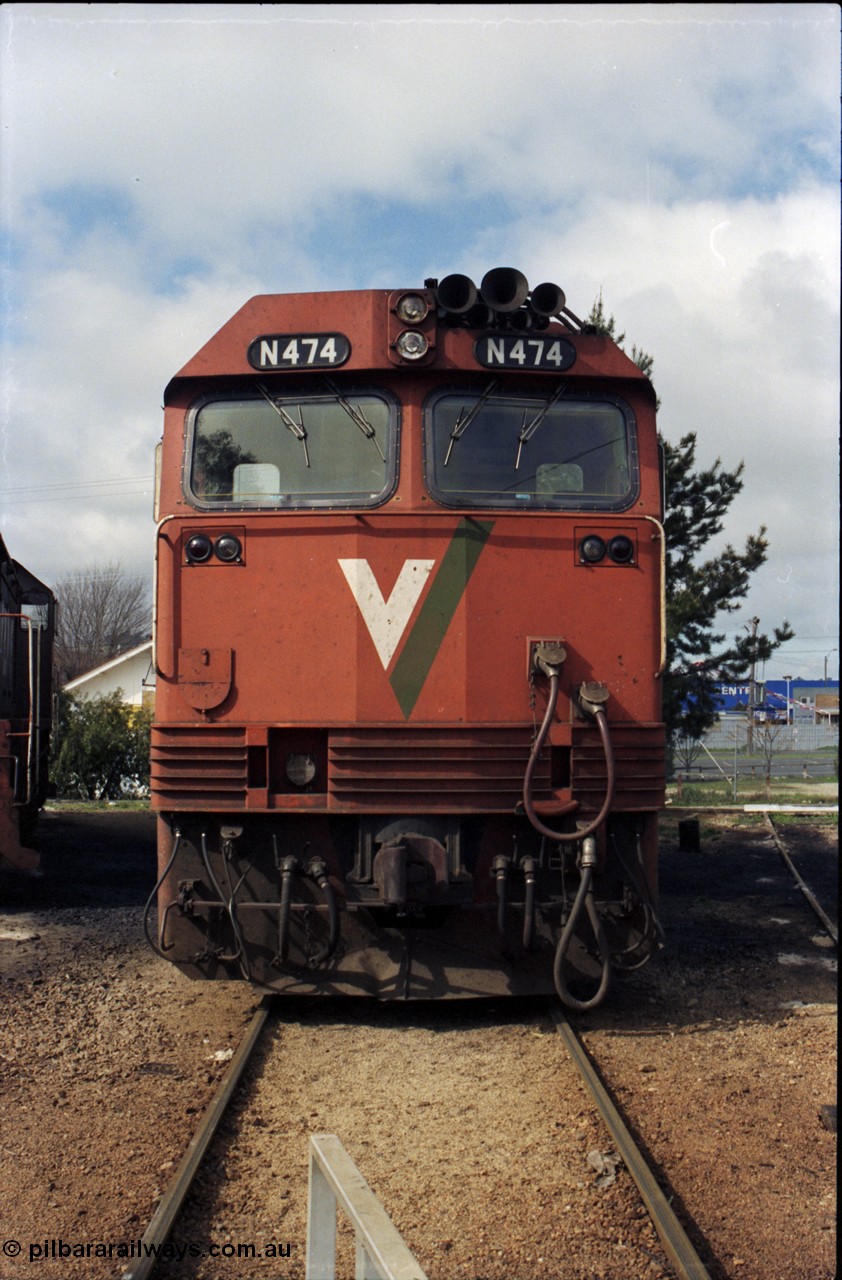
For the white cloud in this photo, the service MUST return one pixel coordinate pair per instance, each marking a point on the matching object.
(161, 164)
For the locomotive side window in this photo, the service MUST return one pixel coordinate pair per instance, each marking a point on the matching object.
(314, 449)
(487, 448)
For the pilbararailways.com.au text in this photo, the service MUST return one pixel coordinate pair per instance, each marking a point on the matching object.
(127, 1250)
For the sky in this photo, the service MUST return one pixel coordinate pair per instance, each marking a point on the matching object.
(161, 164)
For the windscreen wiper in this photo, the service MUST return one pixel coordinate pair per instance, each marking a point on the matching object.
(356, 415)
(297, 428)
(528, 429)
(461, 425)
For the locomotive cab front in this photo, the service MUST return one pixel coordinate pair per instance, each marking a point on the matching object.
(409, 641)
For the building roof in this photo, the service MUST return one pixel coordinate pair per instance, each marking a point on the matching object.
(113, 664)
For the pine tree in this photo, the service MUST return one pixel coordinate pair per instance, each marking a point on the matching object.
(699, 590)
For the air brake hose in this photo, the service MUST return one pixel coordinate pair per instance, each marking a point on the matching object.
(568, 837)
(158, 947)
(288, 868)
(584, 896)
(317, 870)
(500, 870)
(240, 954)
(528, 866)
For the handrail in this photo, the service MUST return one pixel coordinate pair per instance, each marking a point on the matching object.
(661, 537)
(34, 725)
(381, 1253)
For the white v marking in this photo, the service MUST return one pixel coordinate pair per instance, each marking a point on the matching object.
(386, 619)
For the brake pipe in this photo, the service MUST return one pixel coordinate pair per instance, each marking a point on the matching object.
(528, 868)
(590, 699)
(584, 898)
(288, 868)
(569, 837)
(317, 871)
(240, 953)
(158, 946)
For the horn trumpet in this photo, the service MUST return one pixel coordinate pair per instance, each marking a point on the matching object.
(456, 294)
(504, 289)
(547, 299)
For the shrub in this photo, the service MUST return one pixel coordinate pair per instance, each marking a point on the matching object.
(100, 742)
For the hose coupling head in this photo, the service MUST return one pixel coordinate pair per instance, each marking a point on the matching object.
(317, 870)
(549, 656)
(588, 858)
(592, 698)
(529, 866)
(500, 867)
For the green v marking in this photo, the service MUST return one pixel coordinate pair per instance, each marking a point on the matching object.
(436, 613)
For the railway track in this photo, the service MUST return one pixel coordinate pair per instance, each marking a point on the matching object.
(340, 1057)
(158, 1232)
(815, 904)
(681, 1259)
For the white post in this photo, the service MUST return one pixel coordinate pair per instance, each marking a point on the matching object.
(321, 1225)
(335, 1180)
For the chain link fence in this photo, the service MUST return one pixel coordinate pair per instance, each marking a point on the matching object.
(779, 750)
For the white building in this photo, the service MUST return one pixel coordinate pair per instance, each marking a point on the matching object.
(131, 672)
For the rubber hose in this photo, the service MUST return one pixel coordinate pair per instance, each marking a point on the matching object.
(568, 837)
(584, 897)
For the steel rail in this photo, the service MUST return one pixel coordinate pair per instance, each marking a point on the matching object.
(829, 926)
(158, 1231)
(674, 1239)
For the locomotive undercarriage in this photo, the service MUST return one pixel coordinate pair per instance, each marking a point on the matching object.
(405, 907)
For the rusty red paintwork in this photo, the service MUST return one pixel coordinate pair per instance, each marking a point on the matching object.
(391, 645)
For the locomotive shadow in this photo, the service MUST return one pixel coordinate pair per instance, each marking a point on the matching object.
(741, 939)
(88, 859)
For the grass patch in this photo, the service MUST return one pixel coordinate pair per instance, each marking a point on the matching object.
(58, 805)
(720, 791)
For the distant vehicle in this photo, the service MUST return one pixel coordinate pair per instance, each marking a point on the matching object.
(409, 647)
(27, 631)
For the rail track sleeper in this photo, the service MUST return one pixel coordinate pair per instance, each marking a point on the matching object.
(157, 1233)
(674, 1239)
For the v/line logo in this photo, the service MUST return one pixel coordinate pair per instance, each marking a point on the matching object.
(387, 619)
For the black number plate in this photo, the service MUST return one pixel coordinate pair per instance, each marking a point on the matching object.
(519, 351)
(299, 351)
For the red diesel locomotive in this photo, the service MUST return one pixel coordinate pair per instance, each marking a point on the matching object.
(409, 641)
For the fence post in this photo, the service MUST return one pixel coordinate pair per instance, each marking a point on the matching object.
(321, 1224)
(334, 1179)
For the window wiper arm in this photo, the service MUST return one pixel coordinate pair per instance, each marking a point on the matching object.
(356, 415)
(528, 430)
(297, 428)
(461, 425)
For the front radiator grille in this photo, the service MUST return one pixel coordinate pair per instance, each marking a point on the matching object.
(431, 770)
(639, 762)
(424, 770)
(191, 768)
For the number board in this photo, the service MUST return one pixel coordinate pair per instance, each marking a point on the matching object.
(299, 351)
(517, 351)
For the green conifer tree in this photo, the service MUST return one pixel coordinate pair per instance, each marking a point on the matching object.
(701, 589)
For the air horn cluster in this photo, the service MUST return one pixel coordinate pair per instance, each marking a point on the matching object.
(502, 301)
